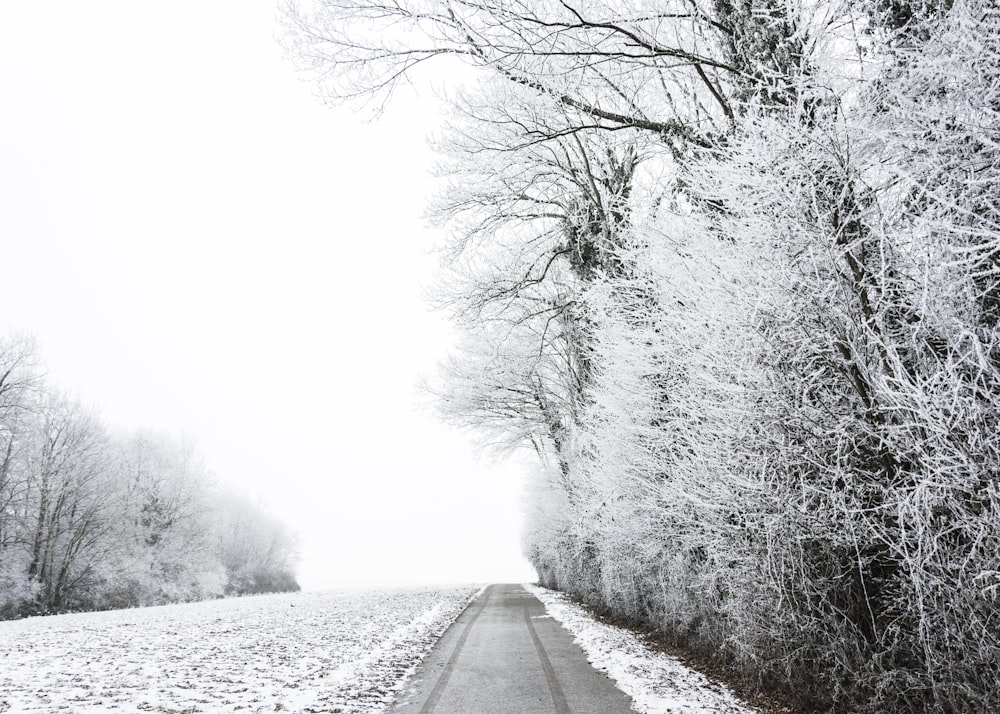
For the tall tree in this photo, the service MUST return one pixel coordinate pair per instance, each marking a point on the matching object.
(72, 511)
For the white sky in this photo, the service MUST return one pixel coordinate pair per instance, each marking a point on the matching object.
(200, 246)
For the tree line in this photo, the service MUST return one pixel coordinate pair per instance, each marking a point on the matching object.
(94, 519)
(732, 269)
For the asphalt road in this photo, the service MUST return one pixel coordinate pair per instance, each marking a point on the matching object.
(504, 655)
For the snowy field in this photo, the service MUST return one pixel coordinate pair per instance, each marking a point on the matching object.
(346, 651)
(657, 683)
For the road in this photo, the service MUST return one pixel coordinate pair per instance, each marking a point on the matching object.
(504, 655)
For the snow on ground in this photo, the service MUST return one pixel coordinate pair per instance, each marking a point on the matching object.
(657, 683)
(345, 651)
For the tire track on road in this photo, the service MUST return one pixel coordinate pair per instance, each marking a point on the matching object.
(442, 681)
(558, 696)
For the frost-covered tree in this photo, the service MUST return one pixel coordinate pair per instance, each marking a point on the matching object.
(91, 520)
(168, 522)
(18, 384)
(732, 268)
(656, 66)
(532, 226)
(71, 510)
(257, 551)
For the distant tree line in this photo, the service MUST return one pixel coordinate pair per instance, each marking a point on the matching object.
(732, 268)
(91, 519)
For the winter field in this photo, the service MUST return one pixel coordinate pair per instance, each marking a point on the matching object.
(343, 651)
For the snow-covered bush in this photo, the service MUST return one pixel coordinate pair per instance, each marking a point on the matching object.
(790, 448)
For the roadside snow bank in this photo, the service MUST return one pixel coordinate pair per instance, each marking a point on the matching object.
(657, 683)
(348, 652)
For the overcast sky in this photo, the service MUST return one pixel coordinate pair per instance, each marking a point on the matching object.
(200, 246)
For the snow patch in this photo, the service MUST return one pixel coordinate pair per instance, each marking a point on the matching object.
(657, 683)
